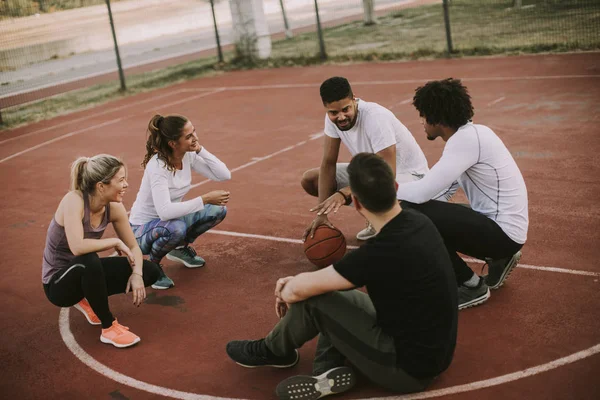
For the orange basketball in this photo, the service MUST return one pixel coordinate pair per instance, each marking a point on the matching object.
(326, 247)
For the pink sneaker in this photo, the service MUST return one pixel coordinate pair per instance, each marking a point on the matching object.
(87, 311)
(119, 336)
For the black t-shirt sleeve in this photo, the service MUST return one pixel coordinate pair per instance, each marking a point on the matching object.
(353, 266)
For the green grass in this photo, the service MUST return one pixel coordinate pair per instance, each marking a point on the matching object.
(479, 27)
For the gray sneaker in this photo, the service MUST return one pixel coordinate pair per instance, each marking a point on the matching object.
(187, 256)
(499, 270)
(163, 282)
(336, 380)
(367, 233)
(473, 296)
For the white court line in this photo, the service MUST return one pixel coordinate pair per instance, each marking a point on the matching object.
(84, 357)
(401, 103)
(87, 117)
(114, 121)
(473, 260)
(56, 139)
(407, 81)
(256, 160)
(496, 101)
(308, 85)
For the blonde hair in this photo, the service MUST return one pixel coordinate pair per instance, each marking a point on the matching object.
(86, 172)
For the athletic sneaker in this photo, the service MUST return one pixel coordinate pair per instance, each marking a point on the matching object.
(187, 256)
(254, 353)
(163, 282)
(118, 335)
(87, 311)
(473, 296)
(336, 380)
(499, 270)
(367, 233)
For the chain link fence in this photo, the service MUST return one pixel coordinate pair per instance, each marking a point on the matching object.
(51, 46)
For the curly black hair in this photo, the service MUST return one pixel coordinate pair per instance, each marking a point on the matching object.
(445, 102)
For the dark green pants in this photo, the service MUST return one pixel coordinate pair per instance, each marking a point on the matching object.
(347, 329)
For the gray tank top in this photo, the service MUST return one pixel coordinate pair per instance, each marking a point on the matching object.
(57, 254)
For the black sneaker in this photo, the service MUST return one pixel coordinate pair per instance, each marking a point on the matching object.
(254, 353)
(473, 296)
(499, 270)
(303, 387)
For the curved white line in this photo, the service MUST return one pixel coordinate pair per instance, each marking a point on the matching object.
(88, 360)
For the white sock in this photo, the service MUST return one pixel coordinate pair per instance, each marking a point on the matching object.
(473, 282)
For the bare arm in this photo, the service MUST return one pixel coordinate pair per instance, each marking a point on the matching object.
(71, 208)
(123, 230)
(389, 155)
(310, 284)
(327, 182)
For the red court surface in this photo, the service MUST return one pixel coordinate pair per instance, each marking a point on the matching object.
(538, 337)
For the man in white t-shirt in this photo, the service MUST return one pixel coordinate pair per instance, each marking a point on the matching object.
(494, 228)
(363, 127)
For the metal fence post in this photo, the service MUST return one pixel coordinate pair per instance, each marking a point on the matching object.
(322, 52)
(447, 23)
(112, 28)
(288, 31)
(220, 51)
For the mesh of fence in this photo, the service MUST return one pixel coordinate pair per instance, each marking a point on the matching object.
(49, 46)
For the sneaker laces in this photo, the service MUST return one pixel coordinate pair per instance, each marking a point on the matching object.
(189, 250)
(120, 328)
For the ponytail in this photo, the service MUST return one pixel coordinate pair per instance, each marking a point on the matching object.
(78, 169)
(86, 172)
(162, 130)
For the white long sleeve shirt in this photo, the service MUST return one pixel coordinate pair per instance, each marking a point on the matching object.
(162, 191)
(476, 158)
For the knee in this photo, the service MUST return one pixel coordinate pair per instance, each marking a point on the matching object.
(221, 213)
(310, 182)
(91, 263)
(177, 231)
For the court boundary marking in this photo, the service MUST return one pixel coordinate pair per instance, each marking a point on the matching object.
(280, 86)
(73, 346)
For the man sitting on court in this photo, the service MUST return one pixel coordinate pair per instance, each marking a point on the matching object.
(362, 127)
(495, 227)
(401, 335)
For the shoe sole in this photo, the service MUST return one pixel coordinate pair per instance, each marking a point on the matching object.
(179, 260)
(162, 287)
(120, 346)
(273, 365)
(476, 302)
(507, 271)
(77, 306)
(303, 387)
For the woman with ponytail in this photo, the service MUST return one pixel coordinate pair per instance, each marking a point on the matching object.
(72, 272)
(163, 224)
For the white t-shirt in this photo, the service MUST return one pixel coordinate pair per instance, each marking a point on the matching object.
(162, 190)
(377, 128)
(487, 172)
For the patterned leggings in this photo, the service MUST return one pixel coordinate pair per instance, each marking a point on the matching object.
(157, 238)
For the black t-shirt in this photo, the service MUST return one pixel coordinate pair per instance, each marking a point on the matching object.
(409, 277)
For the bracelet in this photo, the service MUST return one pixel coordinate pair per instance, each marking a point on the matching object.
(347, 199)
(137, 273)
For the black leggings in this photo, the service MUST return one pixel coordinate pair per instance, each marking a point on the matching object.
(95, 279)
(468, 232)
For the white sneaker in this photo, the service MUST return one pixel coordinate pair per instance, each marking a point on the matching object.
(366, 233)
